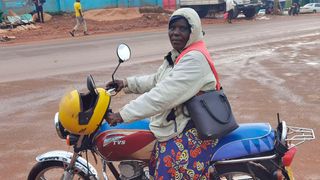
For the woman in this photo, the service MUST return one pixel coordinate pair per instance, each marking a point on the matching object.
(179, 153)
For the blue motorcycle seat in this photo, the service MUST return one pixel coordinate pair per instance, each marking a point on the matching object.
(248, 139)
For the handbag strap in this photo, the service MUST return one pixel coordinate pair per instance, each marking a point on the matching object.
(200, 46)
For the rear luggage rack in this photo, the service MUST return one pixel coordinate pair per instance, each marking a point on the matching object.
(298, 135)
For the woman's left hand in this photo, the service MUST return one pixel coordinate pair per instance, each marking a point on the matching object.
(114, 118)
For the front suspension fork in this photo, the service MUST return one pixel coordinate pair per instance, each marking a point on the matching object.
(68, 173)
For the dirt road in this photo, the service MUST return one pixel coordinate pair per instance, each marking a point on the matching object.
(261, 79)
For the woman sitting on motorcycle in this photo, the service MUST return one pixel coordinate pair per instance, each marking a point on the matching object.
(179, 153)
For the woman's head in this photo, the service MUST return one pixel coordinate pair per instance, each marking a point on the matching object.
(179, 32)
(184, 28)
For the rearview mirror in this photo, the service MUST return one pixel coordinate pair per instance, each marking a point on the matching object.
(123, 52)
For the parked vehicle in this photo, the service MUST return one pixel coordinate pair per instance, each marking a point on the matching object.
(247, 7)
(310, 8)
(253, 151)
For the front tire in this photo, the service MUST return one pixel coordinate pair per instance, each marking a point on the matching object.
(249, 12)
(241, 171)
(52, 170)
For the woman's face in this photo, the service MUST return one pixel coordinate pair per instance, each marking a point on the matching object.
(179, 33)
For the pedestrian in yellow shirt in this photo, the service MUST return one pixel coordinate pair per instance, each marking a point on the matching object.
(79, 18)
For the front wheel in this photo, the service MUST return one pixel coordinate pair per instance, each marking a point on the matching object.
(241, 171)
(52, 170)
(249, 12)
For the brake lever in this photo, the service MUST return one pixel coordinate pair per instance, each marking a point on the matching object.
(112, 91)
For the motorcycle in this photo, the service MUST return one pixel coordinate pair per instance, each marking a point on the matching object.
(252, 151)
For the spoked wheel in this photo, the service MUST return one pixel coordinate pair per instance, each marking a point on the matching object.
(241, 172)
(52, 170)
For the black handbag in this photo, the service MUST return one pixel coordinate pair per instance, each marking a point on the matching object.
(211, 114)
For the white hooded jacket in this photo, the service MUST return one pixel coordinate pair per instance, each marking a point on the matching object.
(230, 5)
(170, 86)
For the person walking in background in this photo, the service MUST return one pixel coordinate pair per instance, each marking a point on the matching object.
(79, 19)
(38, 4)
(230, 8)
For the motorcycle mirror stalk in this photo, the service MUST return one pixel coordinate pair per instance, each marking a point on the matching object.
(124, 53)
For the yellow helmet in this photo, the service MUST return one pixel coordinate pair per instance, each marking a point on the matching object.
(82, 113)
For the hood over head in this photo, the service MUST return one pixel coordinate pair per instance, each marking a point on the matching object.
(194, 21)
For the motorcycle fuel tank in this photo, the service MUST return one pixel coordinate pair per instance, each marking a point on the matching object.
(126, 141)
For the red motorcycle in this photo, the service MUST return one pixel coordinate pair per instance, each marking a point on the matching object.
(253, 151)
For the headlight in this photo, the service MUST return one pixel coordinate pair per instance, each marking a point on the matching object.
(62, 133)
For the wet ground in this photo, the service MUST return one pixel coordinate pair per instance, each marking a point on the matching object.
(278, 78)
(260, 81)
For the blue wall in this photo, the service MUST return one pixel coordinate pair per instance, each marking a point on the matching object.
(26, 6)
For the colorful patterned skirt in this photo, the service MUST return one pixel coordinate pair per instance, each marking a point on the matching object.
(183, 157)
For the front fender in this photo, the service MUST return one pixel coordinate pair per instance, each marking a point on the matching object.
(64, 156)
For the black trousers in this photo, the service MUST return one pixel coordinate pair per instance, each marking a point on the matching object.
(39, 10)
(230, 15)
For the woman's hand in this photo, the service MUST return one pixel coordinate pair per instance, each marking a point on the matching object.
(117, 84)
(114, 118)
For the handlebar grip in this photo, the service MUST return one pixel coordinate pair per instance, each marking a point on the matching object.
(113, 86)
